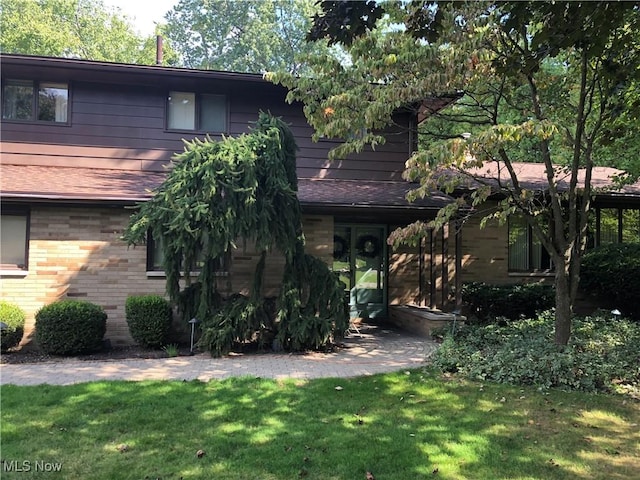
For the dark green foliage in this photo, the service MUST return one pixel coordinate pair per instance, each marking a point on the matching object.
(604, 354)
(239, 320)
(308, 312)
(149, 319)
(219, 192)
(69, 327)
(513, 302)
(612, 274)
(13, 316)
(222, 192)
(311, 306)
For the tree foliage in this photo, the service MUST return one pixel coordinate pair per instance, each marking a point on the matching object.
(545, 82)
(84, 29)
(246, 36)
(244, 189)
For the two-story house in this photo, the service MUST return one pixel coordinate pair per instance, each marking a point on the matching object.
(83, 142)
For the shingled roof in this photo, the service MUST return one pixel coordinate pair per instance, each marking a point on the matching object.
(77, 184)
(129, 186)
(533, 176)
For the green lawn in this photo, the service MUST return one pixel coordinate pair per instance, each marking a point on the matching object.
(405, 426)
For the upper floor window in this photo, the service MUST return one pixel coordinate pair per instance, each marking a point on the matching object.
(199, 112)
(14, 239)
(526, 253)
(35, 101)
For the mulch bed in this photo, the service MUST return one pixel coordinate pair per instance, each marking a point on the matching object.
(32, 354)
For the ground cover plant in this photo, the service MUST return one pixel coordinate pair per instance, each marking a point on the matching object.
(603, 354)
(405, 425)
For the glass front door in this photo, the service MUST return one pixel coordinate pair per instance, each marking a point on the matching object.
(359, 257)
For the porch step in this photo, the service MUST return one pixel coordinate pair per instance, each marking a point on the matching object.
(422, 321)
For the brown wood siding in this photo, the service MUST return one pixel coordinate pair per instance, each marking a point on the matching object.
(123, 127)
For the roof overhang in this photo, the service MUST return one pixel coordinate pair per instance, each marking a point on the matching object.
(86, 186)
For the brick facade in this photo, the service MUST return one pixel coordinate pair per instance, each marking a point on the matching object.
(76, 252)
(485, 253)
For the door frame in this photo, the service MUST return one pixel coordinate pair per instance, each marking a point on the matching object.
(384, 255)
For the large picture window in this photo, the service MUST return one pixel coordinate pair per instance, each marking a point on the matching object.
(199, 112)
(35, 101)
(526, 253)
(14, 240)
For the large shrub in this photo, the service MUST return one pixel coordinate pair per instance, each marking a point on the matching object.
(149, 319)
(13, 317)
(612, 273)
(513, 302)
(603, 354)
(70, 327)
(239, 320)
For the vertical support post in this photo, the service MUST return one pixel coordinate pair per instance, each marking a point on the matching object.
(432, 270)
(421, 272)
(458, 263)
(445, 264)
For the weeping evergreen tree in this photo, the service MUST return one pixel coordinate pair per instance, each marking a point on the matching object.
(241, 189)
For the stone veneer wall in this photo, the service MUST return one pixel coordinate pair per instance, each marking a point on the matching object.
(76, 252)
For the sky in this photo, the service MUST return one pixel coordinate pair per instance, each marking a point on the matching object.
(143, 13)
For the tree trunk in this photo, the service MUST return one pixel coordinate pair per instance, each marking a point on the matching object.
(564, 307)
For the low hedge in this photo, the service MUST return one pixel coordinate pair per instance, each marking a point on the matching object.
(611, 273)
(69, 327)
(13, 317)
(149, 319)
(487, 302)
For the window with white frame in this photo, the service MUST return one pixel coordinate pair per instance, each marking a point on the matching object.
(30, 100)
(526, 253)
(14, 239)
(198, 112)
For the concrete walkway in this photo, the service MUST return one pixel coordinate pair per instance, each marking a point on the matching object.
(374, 350)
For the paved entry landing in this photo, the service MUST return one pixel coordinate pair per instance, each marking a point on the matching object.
(375, 349)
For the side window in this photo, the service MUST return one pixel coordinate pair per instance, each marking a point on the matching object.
(14, 240)
(526, 253)
(155, 258)
(35, 101)
(197, 112)
(630, 225)
(617, 225)
(608, 225)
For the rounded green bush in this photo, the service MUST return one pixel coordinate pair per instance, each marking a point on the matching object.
(70, 327)
(149, 319)
(13, 317)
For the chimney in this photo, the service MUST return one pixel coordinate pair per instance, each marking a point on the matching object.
(158, 49)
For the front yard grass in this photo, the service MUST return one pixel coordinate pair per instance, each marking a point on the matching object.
(405, 426)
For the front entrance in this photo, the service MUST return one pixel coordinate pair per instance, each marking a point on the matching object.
(359, 257)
